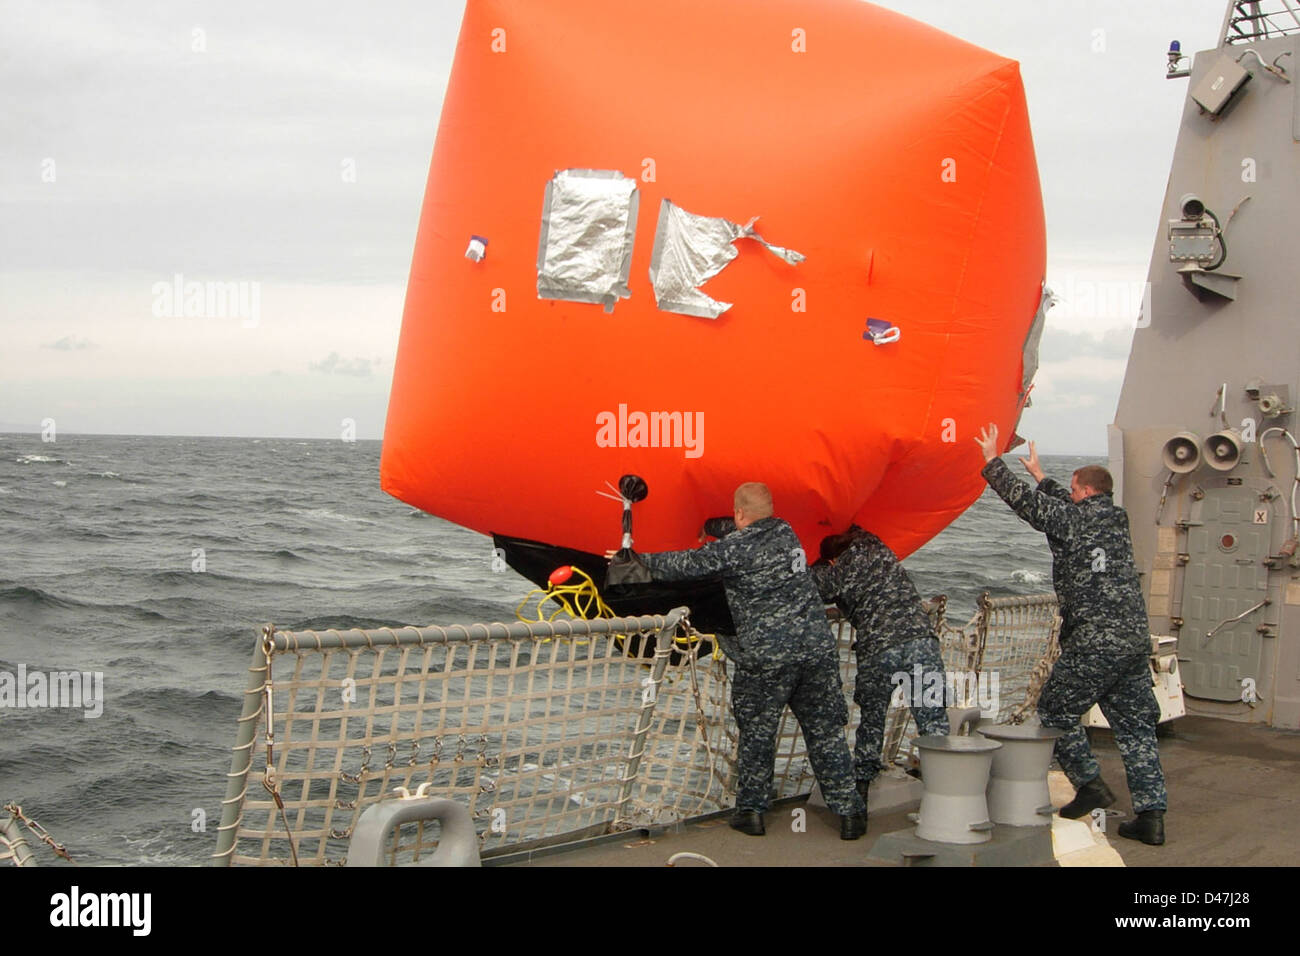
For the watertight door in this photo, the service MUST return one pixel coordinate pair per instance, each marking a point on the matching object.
(1225, 577)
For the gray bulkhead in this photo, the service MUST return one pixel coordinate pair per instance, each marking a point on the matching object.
(1217, 353)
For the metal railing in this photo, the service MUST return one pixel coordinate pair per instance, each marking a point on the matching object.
(547, 732)
(13, 842)
(1250, 20)
(1003, 655)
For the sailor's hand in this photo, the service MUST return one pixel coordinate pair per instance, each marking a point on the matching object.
(988, 441)
(1031, 463)
(609, 555)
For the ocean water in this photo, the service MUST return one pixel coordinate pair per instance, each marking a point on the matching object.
(155, 560)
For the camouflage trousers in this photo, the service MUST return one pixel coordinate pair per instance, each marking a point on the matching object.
(1097, 670)
(759, 693)
(875, 686)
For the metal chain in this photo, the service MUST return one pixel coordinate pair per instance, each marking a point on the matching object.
(361, 771)
(268, 776)
(691, 655)
(59, 849)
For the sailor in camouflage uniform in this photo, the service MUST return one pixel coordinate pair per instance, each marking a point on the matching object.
(785, 654)
(894, 635)
(1105, 641)
(1054, 489)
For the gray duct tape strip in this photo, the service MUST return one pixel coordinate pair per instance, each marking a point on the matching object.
(689, 250)
(1034, 337)
(584, 253)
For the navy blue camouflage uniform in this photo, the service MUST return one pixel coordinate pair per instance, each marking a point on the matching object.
(784, 654)
(1105, 641)
(1052, 487)
(869, 585)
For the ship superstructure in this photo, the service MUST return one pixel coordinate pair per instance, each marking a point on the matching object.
(1203, 446)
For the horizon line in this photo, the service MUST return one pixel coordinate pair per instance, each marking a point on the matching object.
(37, 431)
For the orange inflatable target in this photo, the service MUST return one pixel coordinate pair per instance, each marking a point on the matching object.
(607, 175)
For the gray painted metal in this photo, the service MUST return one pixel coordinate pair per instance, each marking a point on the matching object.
(1216, 87)
(1007, 846)
(1018, 795)
(955, 772)
(1225, 577)
(514, 631)
(1244, 165)
(1200, 282)
(457, 841)
(962, 720)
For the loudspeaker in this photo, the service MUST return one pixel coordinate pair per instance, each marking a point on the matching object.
(1223, 450)
(1182, 453)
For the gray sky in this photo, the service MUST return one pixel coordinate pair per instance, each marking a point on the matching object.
(286, 144)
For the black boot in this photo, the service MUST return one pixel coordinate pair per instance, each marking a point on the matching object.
(863, 787)
(852, 825)
(1149, 827)
(748, 821)
(1091, 796)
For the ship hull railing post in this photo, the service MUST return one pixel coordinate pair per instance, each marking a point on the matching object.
(645, 716)
(232, 807)
(13, 843)
(981, 633)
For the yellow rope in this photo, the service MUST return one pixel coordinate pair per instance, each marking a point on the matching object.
(580, 600)
(694, 637)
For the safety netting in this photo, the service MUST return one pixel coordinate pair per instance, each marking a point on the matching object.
(546, 731)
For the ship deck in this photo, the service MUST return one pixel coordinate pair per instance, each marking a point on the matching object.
(1234, 794)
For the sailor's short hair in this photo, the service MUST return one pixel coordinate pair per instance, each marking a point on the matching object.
(1095, 477)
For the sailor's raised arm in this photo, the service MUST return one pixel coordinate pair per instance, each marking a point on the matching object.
(1054, 489)
(1031, 463)
(1042, 511)
(1048, 486)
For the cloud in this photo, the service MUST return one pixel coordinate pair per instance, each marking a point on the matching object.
(334, 365)
(1064, 400)
(1061, 344)
(70, 343)
(1079, 371)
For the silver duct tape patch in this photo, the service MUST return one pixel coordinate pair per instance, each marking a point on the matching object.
(1034, 337)
(584, 253)
(690, 250)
